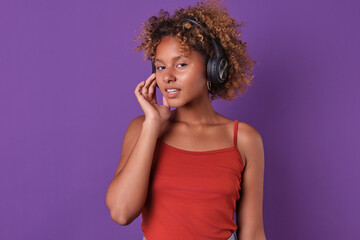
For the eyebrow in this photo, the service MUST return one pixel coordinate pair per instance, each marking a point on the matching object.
(173, 59)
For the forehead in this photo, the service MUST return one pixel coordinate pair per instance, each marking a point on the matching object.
(170, 48)
(168, 45)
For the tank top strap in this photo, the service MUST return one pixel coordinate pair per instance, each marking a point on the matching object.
(235, 132)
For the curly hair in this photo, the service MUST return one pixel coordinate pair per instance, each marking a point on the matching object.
(214, 17)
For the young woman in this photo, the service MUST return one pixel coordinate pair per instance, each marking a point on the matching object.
(188, 170)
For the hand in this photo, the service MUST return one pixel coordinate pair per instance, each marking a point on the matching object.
(146, 96)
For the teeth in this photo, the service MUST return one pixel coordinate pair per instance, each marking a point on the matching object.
(171, 90)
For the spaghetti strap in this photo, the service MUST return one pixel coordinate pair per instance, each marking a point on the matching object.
(235, 133)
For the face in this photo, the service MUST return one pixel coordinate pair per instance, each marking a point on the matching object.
(181, 79)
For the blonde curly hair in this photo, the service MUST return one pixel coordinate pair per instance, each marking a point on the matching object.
(213, 16)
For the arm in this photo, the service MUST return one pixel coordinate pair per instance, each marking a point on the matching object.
(128, 189)
(249, 209)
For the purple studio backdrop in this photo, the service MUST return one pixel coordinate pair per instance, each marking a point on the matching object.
(67, 76)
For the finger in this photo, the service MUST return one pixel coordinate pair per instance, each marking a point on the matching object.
(148, 82)
(144, 103)
(152, 89)
(138, 88)
(165, 103)
(151, 76)
(144, 90)
(150, 79)
(154, 100)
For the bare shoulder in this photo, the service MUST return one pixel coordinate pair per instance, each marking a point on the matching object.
(131, 135)
(249, 142)
(247, 132)
(136, 123)
(133, 131)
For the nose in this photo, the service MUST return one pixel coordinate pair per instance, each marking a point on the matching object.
(169, 75)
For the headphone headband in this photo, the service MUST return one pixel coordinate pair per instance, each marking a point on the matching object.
(198, 24)
(217, 67)
(214, 40)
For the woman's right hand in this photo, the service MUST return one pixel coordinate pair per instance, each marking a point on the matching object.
(146, 96)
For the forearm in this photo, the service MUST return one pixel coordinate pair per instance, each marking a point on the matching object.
(128, 190)
(255, 234)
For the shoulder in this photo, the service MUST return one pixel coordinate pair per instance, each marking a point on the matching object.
(249, 142)
(129, 140)
(134, 128)
(136, 122)
(247, 132)
(131, 135)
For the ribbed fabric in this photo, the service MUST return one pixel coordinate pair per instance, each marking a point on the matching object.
(192, 195)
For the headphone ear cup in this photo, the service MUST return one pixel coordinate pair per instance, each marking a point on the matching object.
(211, 70)
(217, 70)
(223, 69)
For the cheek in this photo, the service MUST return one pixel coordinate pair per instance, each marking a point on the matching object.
(197, 80)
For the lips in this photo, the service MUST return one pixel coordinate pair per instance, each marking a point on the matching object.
(172, 92)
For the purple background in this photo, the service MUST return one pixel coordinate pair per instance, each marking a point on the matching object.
(68, 71)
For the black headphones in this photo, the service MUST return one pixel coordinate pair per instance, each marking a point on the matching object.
(217, 68)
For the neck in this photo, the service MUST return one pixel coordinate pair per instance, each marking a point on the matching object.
(197, 113)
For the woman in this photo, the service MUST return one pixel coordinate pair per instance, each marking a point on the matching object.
(185, 169)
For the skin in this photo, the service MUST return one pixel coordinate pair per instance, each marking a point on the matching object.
(193, 126)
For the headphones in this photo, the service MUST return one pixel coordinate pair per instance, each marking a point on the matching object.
(217, 68)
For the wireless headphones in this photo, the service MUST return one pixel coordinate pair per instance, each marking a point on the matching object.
(217, 68)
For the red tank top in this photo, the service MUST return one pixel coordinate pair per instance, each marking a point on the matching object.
(192, 195)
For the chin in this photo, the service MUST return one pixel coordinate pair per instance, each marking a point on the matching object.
(175, 103)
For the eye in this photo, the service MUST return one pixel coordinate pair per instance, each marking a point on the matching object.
(160, 68)
(182, 64)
